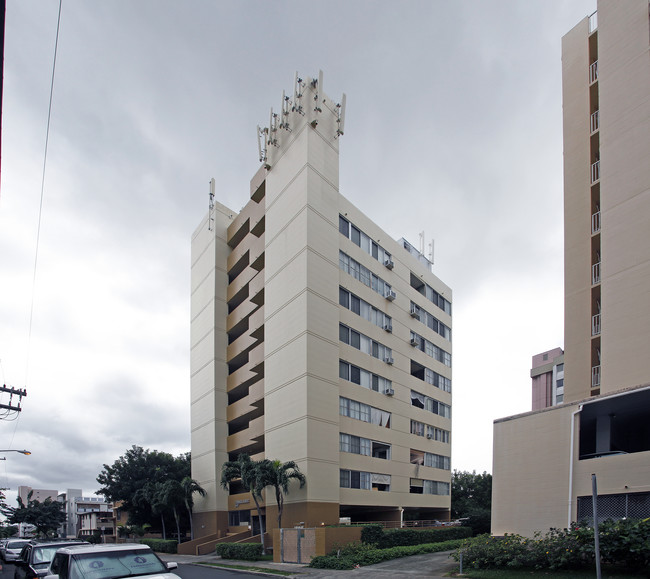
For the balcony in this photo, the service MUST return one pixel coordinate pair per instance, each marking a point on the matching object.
(595, 376)
(595, 222)
(595, 273)
(595, 172)
(595, 325)
(593, 22)
(593, 72)
(594, 122)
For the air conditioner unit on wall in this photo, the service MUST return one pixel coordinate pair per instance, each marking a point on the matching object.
(389, 392)
(388, 327)
(415, 342)
(390, 295)
(429, 436)
(388, 359)
(415, 311)
(388, 262)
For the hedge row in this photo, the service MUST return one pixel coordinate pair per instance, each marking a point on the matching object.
(625, 543)
(241, 551)
(161, 545)
(384, 539)
(361, 554)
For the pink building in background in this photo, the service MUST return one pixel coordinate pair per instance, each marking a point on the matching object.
(547, 373)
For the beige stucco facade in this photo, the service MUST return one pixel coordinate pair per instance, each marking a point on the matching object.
(303, 313)
(538, 475)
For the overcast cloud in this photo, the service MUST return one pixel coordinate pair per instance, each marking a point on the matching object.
(453, 126)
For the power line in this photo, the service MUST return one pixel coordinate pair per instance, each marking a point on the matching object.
(40, 208)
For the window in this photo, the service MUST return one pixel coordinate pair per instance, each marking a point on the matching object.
(364, 412)
(354, 479)
(430, 349)
(432, 295)
(430, 321)
(363, 446)
(357, 375)
(364, 343)
(430, 404)
(364, 309)
(437, 461)
(363, 274)
(239, 518)
(344, 226)
(428, 487)
(432, 432)
(359, 238)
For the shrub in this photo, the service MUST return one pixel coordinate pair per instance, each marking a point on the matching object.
(161, 545)
(384, 539)
(356, 554)
(241, 551)
(372, 534)
(625, 543)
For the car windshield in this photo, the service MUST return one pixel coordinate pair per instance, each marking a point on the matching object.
(44, 555)
(16, 544)
(111, 565)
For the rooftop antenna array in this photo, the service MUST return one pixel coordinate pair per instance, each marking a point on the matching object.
(211, 205)
(261, 143)
(340, 109)
(317, 85)
(268, 136)
(298, 87)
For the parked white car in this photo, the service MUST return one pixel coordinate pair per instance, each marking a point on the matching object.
(109, 562)
(11, 550)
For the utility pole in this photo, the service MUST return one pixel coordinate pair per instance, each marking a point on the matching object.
(10, 407)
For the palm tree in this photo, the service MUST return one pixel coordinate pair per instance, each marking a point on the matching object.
(278, 475)
(253, 475)
(190, 486)
(171, 495)
(150, 494)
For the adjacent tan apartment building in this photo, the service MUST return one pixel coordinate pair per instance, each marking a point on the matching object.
(317, 338)
(543, 460)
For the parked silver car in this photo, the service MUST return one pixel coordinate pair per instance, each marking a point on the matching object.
(11, 551)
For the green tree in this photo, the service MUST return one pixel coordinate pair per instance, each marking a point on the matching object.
(46, 516)
(471, 498)
(190, 486)
(253, 475)
(279, 475)
(132, 471)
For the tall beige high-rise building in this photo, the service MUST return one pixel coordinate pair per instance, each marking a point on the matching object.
(543, 461)
(316, 338)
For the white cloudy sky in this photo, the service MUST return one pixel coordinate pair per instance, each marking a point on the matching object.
(453, 127)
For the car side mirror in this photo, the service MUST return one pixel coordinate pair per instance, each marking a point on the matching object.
(172, 565)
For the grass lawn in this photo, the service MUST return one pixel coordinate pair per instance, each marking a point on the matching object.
(607, 573)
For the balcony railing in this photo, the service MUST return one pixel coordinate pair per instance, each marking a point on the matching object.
(594, 123)
(595, 325)
(595, 172)
(595, 376)
(593, 72)
(595, 222)
(595, 273)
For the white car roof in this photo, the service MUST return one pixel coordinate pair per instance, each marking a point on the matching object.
(103, 548)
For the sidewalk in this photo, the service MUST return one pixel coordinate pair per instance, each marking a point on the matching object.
(429, 566)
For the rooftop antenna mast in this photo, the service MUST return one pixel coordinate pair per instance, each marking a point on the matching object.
(340, 108)
(211, 205)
